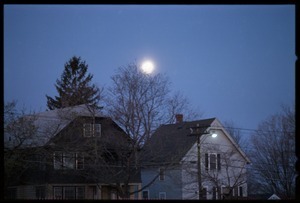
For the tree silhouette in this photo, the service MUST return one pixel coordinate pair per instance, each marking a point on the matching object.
(74, 87)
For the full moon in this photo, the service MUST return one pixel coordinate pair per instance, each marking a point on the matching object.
(148, 67)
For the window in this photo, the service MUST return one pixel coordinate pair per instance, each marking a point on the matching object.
(135, 190)
(235, 191)
(225, 191)
(161, 174)
(241, 191)
(98, 129)
(40, 192)
(87, 130)
(58, 192)
(162, 195)
(214, 193)
(12, 193)
(68, 160)
(145, 194)
(212, 161)
(79, 161)
(68, 192)
(204, 193)
(91, 130)
(58, 160)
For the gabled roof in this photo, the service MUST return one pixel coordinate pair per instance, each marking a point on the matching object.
(171, 142)
(49, 123)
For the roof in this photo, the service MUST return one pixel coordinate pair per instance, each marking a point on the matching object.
(49, 123)
(171, 142)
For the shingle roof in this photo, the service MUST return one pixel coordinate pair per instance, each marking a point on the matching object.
(49, 123)
(171, 142)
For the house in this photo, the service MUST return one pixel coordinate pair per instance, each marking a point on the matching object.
(70, 153)
(274, 197)
(170, 162)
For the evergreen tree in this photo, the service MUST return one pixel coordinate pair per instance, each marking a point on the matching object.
(74, 87)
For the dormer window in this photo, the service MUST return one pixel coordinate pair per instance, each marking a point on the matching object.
(91, 129)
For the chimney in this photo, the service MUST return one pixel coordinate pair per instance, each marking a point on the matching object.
(179, 118)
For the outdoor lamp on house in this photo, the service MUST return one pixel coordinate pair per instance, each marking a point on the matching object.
(196, 131)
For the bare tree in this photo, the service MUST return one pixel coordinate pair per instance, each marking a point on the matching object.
(233, 131)
(18, 132)
(140, 102)
(222, 176)
(67, 141)
(273, 153)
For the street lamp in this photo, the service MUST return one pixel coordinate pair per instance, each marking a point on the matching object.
(196, 131)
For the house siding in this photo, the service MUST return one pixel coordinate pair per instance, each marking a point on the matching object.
(171, 185)
(221, 145)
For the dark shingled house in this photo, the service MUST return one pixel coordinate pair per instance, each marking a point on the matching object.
(71, 153)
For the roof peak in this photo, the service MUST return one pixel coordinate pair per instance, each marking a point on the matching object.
(191, 122)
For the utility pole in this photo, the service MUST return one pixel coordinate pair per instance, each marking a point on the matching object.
(196, 131)
(199, 167)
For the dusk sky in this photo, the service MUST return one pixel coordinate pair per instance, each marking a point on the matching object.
(233, 62)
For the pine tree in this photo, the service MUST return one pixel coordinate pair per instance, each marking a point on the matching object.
(74, 87)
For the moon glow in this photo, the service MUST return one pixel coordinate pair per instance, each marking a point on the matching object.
(147, 67)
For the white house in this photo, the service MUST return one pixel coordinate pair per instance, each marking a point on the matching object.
(171, 170)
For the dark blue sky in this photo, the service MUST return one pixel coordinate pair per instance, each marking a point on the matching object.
(236, 63)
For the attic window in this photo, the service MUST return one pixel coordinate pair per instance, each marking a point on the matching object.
(161, 174)
(212, 161)
(91, 130)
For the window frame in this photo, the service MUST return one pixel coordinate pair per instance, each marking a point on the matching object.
(164, 195)
(148, 194)
(91, 129)
(204, 192)
(63, 190)
(161, 174)
(240, 191)
(68, 160)
(40, 192)
(79, 162)
(87, 131)
(208, 163)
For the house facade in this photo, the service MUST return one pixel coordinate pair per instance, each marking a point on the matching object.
(171, 170)
(72, 153)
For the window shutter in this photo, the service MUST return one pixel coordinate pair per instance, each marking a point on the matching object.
(219, 161)
(206, 161)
